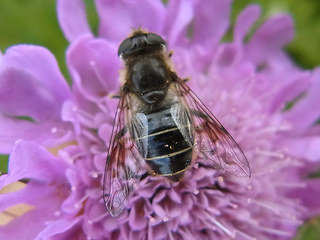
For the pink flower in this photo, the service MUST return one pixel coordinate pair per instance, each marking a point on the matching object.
(58, 136)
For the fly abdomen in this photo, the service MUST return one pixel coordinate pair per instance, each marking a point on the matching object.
(169, 154)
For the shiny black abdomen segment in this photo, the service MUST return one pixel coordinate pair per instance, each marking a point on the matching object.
(171, 165)
(168, 152)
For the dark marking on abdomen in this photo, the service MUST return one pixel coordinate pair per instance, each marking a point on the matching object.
(168, 152)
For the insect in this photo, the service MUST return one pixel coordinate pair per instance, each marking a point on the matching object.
(159, 123)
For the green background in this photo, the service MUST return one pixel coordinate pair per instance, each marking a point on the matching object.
(35, 22)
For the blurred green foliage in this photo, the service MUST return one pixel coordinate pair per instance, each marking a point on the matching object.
(309, 231)
(35, 22)
(31, 22)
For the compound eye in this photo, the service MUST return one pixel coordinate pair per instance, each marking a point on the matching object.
(155, 39)
(140, 42)
(124, 46)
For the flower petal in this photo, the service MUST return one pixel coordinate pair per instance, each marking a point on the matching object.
(45, 201)
(68, 114)
(72, 18)
(29, 160)
(179, 15)
(94, 66)
(50, 134)
(270, 37)
(309, 196)
(303, 147)
(306, 111)
(136, 219)
(215, 15)
(291, 90)
(119, 17)
(31, 83)
(244, 22)
(32, 91)
(53, 228)
(159, 231)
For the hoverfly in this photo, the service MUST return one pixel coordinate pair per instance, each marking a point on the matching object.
(159, 123)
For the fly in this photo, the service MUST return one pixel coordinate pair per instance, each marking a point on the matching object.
(159, 124)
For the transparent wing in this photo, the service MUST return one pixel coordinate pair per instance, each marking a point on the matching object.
(124, 165)
(214, 143)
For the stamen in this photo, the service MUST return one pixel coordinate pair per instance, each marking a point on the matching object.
(275, 231)
(245, 235)
(269, 230)
(271, 206)
(99, 218)
(290, 184)
(89, 135)
(169, 233)
(249, 120)
(104, 105)
(79, 203)
(275, 166)
(234, 206)
(273, 129)
(292, 219)
(57, 213)
(269, 93)
(94, 174)
(71, 159)
(220, 225)
(220, 179)
(54, 130)
(294, 206)
(187, 233)
(249, 85)
(97, 72)
(86, 118)
(270, 153)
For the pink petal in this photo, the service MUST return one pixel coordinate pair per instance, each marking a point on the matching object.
(46, 201)
(214, 17)
(50, 134)
(244, 22)
(291, 90)
(309, 196)
(179, 14)
(55, 227)
(136, 220)
(269, 38)
(29, 160)
(31, 83)
(303, 147)
(159, 231)
(306, 111)
(119, 17)
(32, 91)
(94, 66)
(72, 18)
